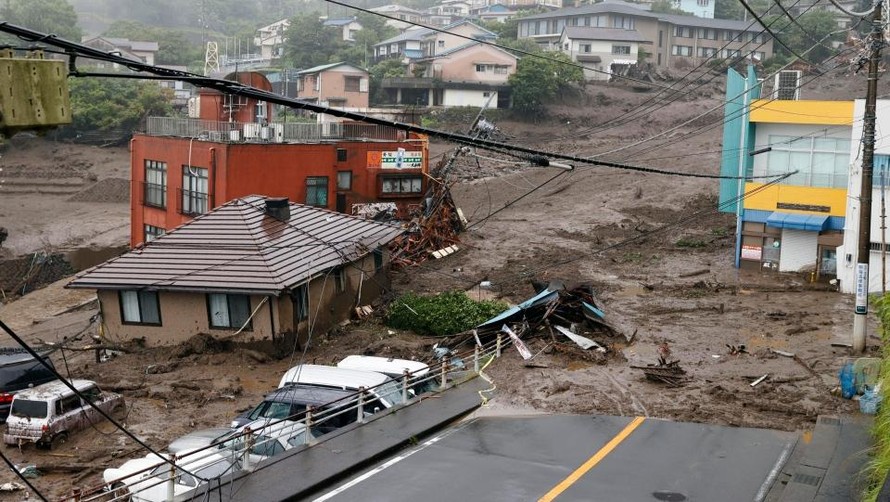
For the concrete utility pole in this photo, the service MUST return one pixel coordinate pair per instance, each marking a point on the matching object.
(868, 157)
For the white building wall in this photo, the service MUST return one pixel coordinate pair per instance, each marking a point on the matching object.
(699, 8)
(458, 97)
(847, 254)
(798, 250)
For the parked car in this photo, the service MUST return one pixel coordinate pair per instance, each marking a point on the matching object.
(421, 380)
(48, 413)
(147, 479)
(293, 400)
(198, 439)
(385, 391)
(267, 438)
(19, 370)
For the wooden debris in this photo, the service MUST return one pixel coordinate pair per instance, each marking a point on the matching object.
(757, 382)
(782, 353)
(364, 311)
(442, 253)
(697, 272)
(665, 372)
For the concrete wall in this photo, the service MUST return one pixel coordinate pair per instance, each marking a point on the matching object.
(461, 66)
(460, 97)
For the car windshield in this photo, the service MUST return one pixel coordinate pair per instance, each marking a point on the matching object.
(390, 392)
(271, 409)
(28, 409)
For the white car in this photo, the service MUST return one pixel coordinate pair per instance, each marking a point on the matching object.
(384, 389)
(267, 438)
(421, 380)
(147, 479)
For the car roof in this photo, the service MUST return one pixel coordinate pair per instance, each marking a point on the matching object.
(53, 389)
(316, 374)
(308, 394)
(196, 439)
(15, 355)
(386, 365)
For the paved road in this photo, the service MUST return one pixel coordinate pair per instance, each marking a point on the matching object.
(575, 458)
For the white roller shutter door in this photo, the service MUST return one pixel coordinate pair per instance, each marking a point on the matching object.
(798, 250)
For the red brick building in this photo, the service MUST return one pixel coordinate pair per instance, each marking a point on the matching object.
(182, 168)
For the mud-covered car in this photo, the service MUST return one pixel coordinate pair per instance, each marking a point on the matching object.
(48, 413)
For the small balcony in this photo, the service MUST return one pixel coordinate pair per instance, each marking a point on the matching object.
(276, 132)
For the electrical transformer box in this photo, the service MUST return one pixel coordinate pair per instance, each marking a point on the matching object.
(33, 93)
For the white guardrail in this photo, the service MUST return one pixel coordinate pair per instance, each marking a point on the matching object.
(236, 452)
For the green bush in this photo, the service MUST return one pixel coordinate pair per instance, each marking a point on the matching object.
(443, 314)
(879, 466)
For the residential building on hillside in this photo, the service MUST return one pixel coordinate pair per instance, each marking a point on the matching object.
(473, 74)
(609, 50)
(406, 14)
(449, 12)
(424, 42)
(879, 236)
(182, 168)
(796, 224)
(675, 41)
(257, 267)
(270, 39)
(496, 12)
(338, 84)
(143, 52)
(348, 27)
(698, 8)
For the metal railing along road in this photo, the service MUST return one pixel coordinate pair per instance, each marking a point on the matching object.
(443, 374)
(274, 132)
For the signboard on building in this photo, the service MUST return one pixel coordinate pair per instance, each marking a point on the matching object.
(399, 159)
(752, 252)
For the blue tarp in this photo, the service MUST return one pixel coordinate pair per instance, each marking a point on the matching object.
(544, 297)
(811, 222)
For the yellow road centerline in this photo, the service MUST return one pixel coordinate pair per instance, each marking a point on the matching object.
(592, 461)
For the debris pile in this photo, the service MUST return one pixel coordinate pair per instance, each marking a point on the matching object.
(668, 372)
(431, 233)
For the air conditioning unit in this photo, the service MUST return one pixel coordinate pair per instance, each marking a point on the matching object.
(787, 85)
(216, 135)
(251, 131)
(235, 135)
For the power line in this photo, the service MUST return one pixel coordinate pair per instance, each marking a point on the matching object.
(770, 31)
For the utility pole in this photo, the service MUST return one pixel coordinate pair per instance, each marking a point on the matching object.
(868, 157)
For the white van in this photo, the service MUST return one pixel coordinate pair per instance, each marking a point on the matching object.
(46, 414)
(382, 387)
(421, 381)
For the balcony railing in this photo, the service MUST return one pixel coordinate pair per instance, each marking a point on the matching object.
(154, 195)
(193, 203)
(276, 132)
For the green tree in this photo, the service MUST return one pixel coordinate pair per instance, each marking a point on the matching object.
(309, 43)
(538, 80)
(388, 68)
(47, 16)
(807, 32)
(361, 51)
(102, 104)
(667, 7)
(174, 48)
(733, 9)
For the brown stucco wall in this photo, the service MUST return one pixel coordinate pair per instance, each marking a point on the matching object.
(184, 315)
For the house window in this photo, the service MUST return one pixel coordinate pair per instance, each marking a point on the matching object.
(394, 185)
(344, 180)
(301, 302)
(339, 280)
(152, 232)
(440, 44)
(681, 50)
(501, 70)
(729, 36)
(155, 184)
(730, 53)
(261, 115)
(585, 48)
(317, 191)
(625, 22)
(620, 49)
(341, 155)
(352, 84)
(756, 37)
(703, 3)
(682, 31)
(229, 311)
(140, 307)
(486, 94)
(707, 52)
(480, 68)
(707, 34)
(819, 162)
(194, 190)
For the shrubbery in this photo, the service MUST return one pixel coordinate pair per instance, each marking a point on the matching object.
(443, 314)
